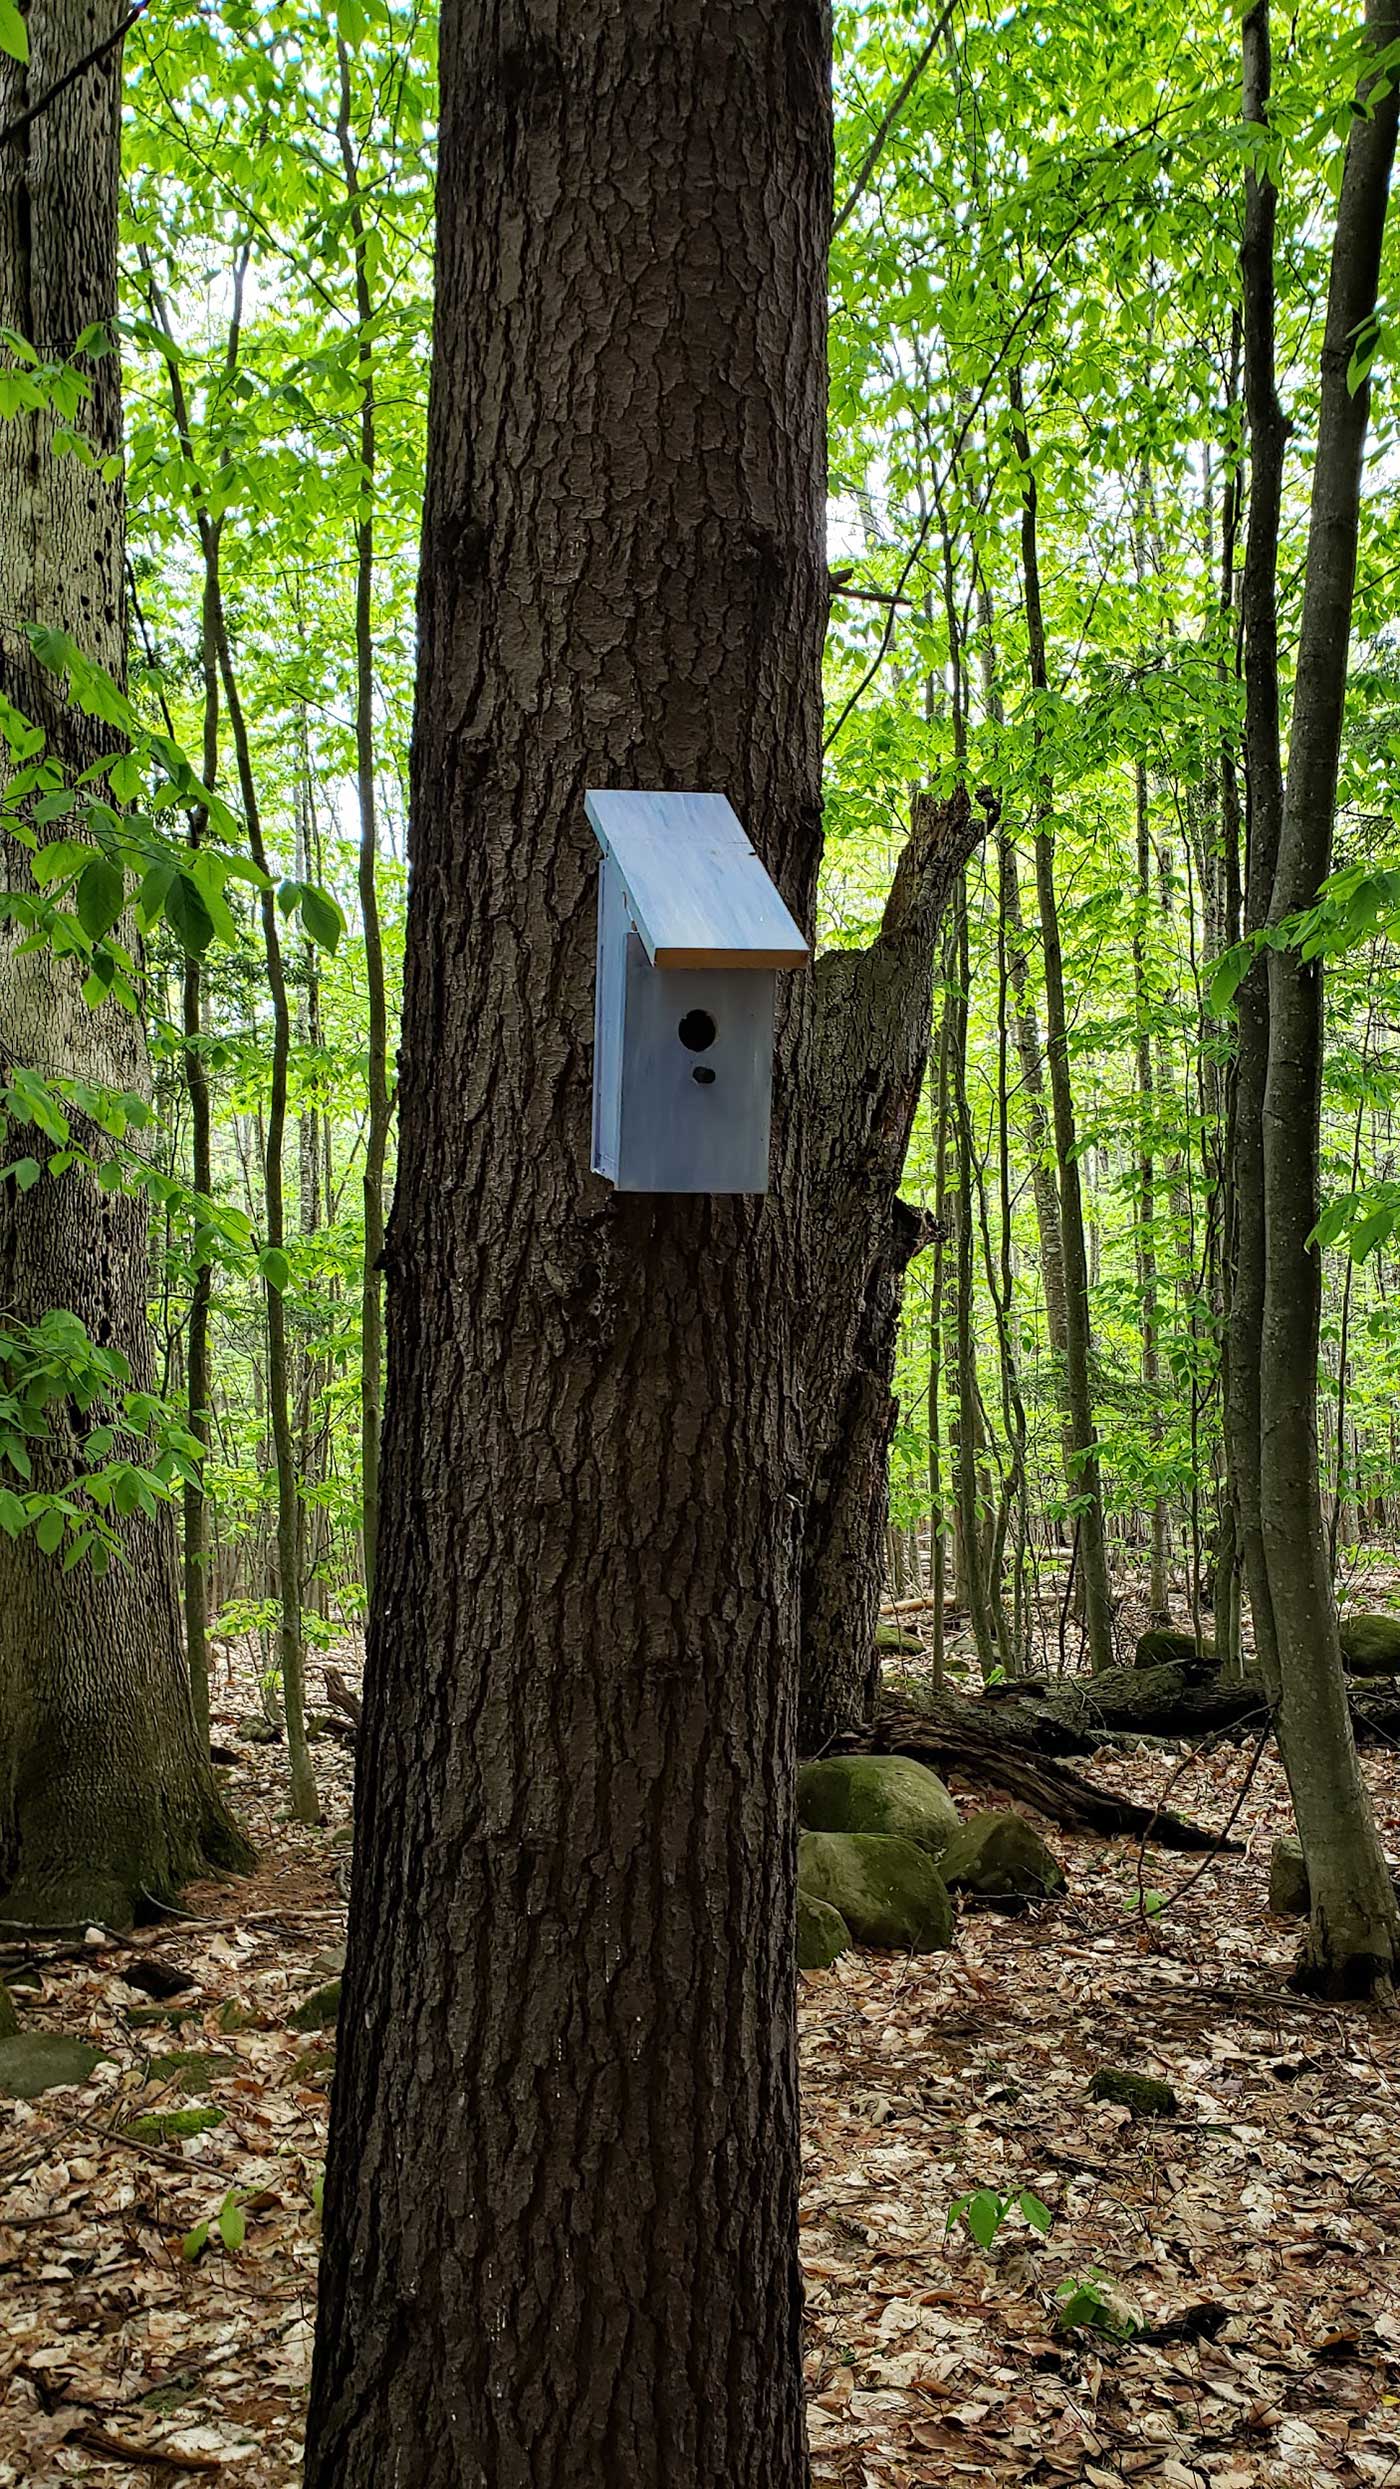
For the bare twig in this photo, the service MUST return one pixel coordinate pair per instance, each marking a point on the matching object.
(896, 106)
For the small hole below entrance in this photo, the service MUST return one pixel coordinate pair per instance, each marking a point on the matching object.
(697, 1031)
(703, 1074)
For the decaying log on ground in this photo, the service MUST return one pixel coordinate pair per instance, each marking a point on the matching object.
(978, 1740)
(1191, 1700)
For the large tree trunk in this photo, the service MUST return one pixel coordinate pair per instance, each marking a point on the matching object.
(105, 1797)
(1353, 1943)
(561, 2197)
(864, 1055)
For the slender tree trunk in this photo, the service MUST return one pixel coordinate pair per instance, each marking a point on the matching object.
(976, 1589)
(106, 1799)
(1222, 1168)
(377, 1033)
(305, 1805)
(560, 2245)
(1354, 1937)
(292, 1657)
(1093, 1556)
(1268, 434)
(1040, 1140)
(938, 1528)
(197, 1376)
(1147, 1194)
(865, 1054)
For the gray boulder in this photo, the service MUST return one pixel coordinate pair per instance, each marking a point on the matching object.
(891, 1641)
(1371, 1645)
(998, 1855)
(822, 1933)
(887, 1889)
(35, 2061)
(1290, 1896)
(1163, 1647)
(888, 1793)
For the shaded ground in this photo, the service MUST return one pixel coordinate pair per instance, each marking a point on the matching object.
(1268, 2213)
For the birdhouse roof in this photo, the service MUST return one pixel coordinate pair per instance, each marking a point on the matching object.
(696, 892)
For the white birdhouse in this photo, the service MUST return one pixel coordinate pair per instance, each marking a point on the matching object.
(691, 934)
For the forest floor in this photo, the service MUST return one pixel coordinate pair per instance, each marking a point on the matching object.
(1257, 2233)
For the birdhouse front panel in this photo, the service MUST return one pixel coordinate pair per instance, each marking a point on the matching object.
(697, 1076)
(691, 933)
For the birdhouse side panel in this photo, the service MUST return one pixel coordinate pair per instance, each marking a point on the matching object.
(609, 1007)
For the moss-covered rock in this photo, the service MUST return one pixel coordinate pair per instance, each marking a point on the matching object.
(1163, 1647)
(257, 1730)
(888, 1793)
(892, 1642)
(35, 2061)
(317, 2011)
(193, 2069)
(822, 1933)
(1290, 1894)
(172, 2125)
(887, 1889)
(1371, 1645)
(998, 1855)
(174, 2017)
(1142, 2093)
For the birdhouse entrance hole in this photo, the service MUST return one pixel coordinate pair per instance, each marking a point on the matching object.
(697, 1030)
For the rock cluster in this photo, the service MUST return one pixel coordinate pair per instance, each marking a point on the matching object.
(883, 1849)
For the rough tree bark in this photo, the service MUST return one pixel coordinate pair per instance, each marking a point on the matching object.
(864, 1054)
(105, 1796)
(560, 2209)
(1353, 1941)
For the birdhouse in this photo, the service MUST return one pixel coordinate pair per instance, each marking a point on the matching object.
(691, 934)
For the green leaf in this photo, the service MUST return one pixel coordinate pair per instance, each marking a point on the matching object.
(233, 2224)
(321, 917)
(194, 2242)
(13, 1516)
(275, 1267)
(1227, 977)
(48, 1531)
(188, 917)
(1370, 1231)
(100, 896)
(53, 648)
(124, 777)
(984, 2216)
(1036, 2212)
(14, 34)
(26, 1172)
(152, 895)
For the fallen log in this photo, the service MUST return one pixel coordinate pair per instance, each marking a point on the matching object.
(1189, 1700)
(1177, 1699)
(956, 1734)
